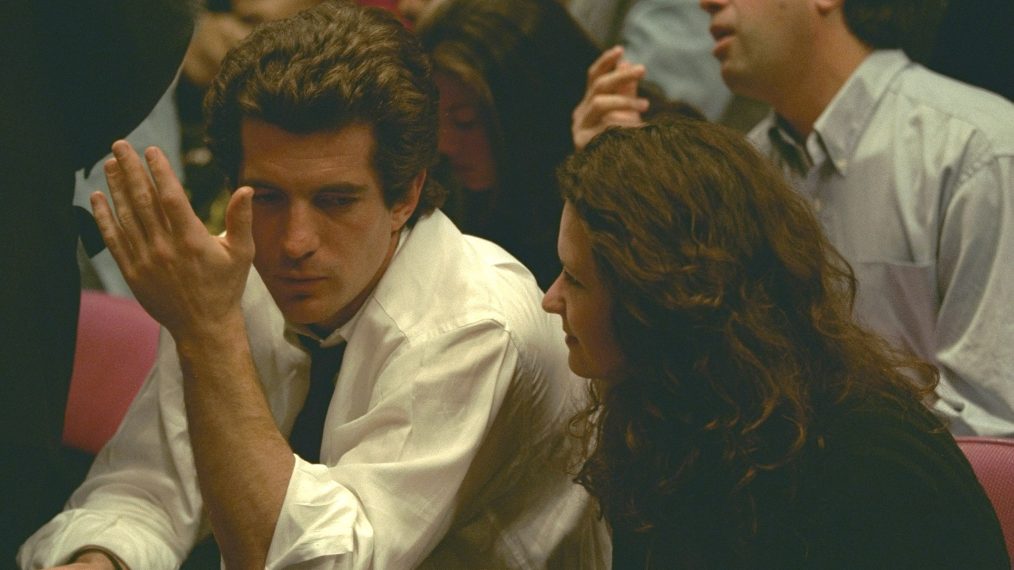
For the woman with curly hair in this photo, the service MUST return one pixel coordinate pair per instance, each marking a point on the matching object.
(740, 418)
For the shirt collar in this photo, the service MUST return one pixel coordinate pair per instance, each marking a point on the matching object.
(838, 128)
(793, 154)
(342, 334)
(845, 119)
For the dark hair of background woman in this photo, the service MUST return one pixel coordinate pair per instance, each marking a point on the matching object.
(527, 60)
(734, 314)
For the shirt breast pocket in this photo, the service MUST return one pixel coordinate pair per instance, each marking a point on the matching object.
(899, 300)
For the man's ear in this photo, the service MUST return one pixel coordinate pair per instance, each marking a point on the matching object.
(406, 205)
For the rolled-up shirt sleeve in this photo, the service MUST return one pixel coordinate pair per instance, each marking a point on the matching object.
(140, 499)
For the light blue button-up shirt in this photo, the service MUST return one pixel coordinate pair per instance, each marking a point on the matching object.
(912, 177)
(671, 39)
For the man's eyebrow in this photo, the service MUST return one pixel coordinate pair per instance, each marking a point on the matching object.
(339, 187)
(257, 183)
(344, 188)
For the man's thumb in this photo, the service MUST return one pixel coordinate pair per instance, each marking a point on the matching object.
(239, 220)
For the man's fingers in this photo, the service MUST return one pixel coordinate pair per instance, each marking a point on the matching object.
(124, 213)
(602, 111)
(239, 222)
(110, 229)
(637, 71)
(175, 206)
(610, 97)
(604, 64)
(621, 80)
(136, 202)
(615, 106)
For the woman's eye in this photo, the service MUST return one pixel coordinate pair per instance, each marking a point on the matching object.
(465, 119)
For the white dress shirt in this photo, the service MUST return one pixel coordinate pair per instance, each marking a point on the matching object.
(445, 444)
(912, 177)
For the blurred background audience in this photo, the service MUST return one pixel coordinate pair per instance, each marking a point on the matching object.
(671, 39)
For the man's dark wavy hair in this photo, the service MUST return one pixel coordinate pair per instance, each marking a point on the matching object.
(888, 24)
(329, 67)
(734, 314)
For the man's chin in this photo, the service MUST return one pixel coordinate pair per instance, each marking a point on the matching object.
(306, 311)
(741, 80)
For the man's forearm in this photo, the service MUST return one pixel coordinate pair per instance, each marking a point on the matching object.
(98, 558)
(243, 463)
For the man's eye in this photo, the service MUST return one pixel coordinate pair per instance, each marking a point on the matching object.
(335, 200)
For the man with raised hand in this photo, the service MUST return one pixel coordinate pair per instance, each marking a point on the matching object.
(381, 391)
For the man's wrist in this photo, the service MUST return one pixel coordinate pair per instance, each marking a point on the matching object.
(98, 554)
(223, 335)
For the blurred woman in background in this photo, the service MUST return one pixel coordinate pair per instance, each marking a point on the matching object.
(509, 74)
(740, 418)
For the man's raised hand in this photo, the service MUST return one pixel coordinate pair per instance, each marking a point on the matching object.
(610, 98)
(187, 279)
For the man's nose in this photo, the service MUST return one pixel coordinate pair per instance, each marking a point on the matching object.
(301, 237)
(711, 6)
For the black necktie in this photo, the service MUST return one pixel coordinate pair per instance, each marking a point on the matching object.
(308, 430)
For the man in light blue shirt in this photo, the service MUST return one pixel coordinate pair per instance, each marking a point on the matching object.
(910, 173)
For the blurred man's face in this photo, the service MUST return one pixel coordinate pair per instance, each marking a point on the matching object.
(762, 45)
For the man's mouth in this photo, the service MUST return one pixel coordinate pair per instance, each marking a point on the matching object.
(723, 35)
(300, 280)
(718, 32)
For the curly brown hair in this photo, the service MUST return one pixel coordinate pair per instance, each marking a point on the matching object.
(734, 314)
(327, 68)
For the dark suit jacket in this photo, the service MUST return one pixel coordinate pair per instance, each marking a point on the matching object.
(78, 75)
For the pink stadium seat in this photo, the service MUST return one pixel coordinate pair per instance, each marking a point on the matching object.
(993, 462)
(116, 344)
